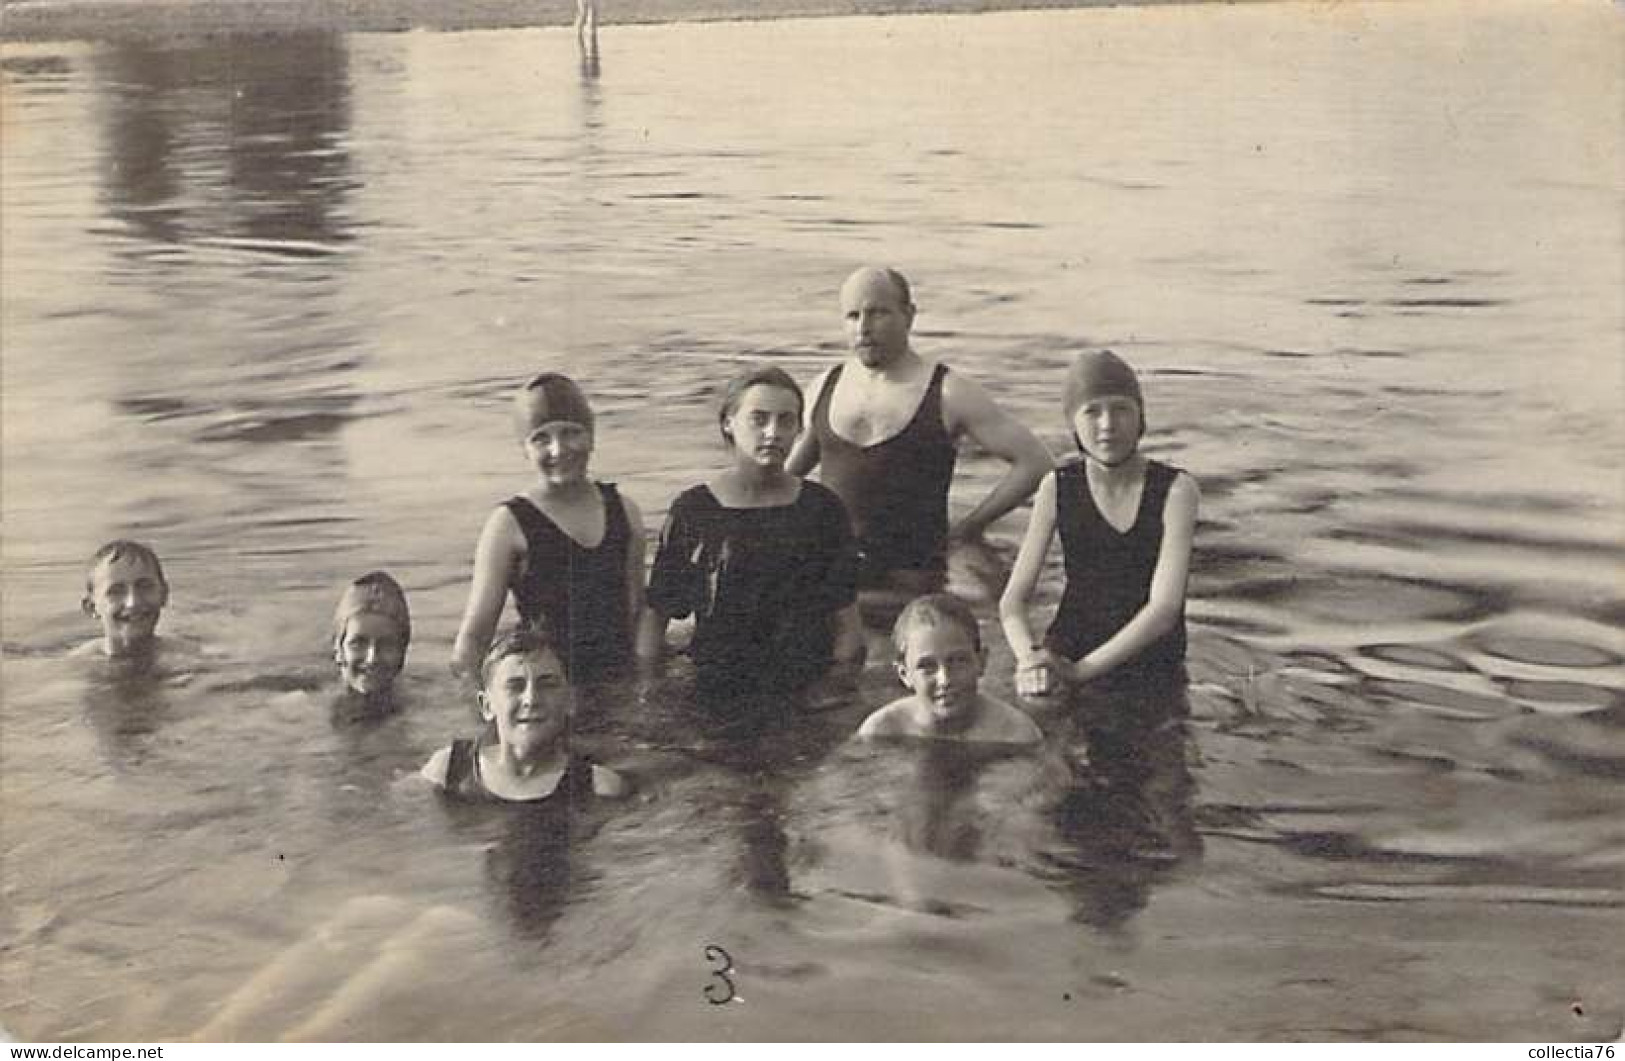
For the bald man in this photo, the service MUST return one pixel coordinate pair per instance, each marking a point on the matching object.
(885, 427)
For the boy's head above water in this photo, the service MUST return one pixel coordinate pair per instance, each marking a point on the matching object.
(126, 590)
(372, 628)
(939, 658)
(523, 692)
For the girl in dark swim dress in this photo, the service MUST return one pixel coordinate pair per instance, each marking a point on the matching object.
(1126, 526)
(763, 560)
(570, 550)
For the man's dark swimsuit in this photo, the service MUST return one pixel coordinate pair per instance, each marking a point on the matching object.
(895, 491)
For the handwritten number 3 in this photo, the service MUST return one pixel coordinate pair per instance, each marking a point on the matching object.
(721, 982)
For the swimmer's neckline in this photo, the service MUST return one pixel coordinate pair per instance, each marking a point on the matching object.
(717, 501)
(937, 369)
(534, 507)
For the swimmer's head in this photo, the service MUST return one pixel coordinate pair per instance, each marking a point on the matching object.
(939, 658)
(520, 641)
(878, 308)
(555, 426)
(372, 628)
(762, 421)
(1104, 407)
(523, 690)
(126, 590)
(549, 397)
(934, 609)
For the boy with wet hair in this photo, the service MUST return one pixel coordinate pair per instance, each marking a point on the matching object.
(940, 659)
(125, 589)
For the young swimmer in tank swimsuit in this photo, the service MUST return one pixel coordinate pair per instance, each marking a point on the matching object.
(570, 550)
(763, 560)
(1126, 526)
(940, 659)
(525, 755)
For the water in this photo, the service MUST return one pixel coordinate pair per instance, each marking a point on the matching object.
(263, 302)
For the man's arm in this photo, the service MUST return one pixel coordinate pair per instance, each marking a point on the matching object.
(969, 410)
(804, 454)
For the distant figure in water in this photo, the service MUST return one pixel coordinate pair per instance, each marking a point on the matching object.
(1126, 526)
(372, 628)
(587, 24)
(569, 549)
(885, 428)
(763, 560)
(525, 754)
(126, 591)
(940, 659)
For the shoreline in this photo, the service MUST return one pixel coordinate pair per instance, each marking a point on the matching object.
(113, 20)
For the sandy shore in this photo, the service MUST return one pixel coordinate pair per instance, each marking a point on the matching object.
(36, 20)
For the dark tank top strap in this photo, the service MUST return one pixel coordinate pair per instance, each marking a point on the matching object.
(929, 414)
(460, 765)
(532, 524)
(577, 781)
(1159, 480)
(1073, 502)
(820, 416)
(617, 526)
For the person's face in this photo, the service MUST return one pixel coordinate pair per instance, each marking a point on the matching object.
(1109, 428)
(877, 320)
(941, 667)
(560, 450)
(528, 700)
(128, 596)
(764, 425)
(371, 654)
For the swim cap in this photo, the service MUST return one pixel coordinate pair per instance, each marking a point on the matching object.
(548, 398)
(1096, 374)
(373, 593)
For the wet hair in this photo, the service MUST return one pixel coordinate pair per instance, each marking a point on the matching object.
(375, 593)
(548, 397)
(759, 376)
(120, 549)
(934, 609)
(520, 641)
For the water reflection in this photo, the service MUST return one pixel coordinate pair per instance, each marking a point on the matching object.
(534, 865)
(238, 138)
(225, 164)
(127, 703)
(1126, 823)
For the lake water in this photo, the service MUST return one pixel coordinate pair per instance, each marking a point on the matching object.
(264, 300)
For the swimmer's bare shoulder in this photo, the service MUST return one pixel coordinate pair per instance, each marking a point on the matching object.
(1004, 723)
(434, 771)
(611, 784)
(893, 720)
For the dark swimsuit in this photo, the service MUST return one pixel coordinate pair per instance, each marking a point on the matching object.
(896, 491)
(1108, 572)
(761, 583)
(463, 780)
(579, 592)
